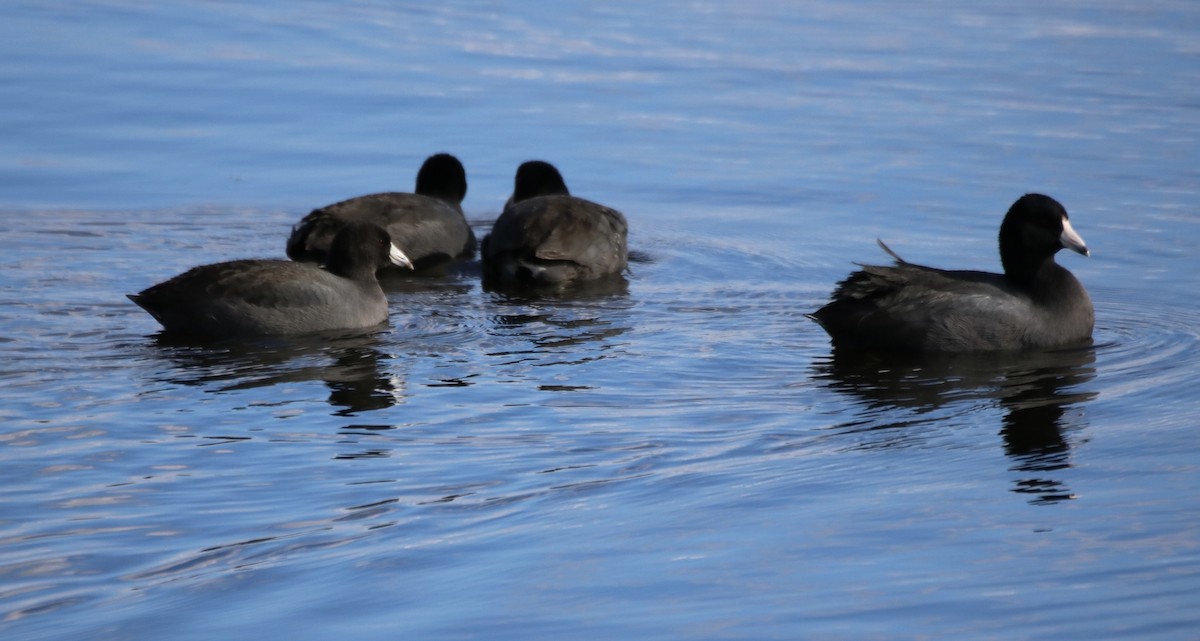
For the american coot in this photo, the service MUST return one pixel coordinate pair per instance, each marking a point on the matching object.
(428, 225)
(1035, 303)
(547, 237)
(272, 297)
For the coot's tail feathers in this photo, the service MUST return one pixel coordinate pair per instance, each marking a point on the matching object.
(890, 252)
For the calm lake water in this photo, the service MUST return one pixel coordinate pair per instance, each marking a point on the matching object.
(684, 459)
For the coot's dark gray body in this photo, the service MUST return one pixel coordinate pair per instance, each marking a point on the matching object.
(428, 225)
(1035, 303)
(548, 238)
(278, 297)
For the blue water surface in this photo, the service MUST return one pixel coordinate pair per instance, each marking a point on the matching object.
(683, 458)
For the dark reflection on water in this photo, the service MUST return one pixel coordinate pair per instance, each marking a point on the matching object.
(612, 286)
(357, 383)
(567, 321)
(1041, 401)
(1040, 394)
(350, 364)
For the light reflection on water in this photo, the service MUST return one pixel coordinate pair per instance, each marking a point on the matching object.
(682, 456)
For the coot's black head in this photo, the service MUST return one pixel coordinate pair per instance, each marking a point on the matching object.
(363, 248)
(442, 176)
(1035, 228)
(537, 178)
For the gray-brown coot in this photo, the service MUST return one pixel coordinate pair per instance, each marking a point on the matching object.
(1035, 303)
(277, 297)
(545, 237)
(428, 226)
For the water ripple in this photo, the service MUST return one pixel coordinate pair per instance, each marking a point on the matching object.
(1145, 348)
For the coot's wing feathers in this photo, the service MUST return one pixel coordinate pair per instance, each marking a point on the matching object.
(911, 307)
(315, 290)
(562, 228)
(259, 297)
(518, 229)
(857, 314)
(256, 283)
(311, 237)
(428, 228)
(391, 207)
(593, 236)
(419, 225)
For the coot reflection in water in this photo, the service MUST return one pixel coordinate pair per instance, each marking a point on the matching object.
(349, 363)
(568, 327)
(1037, 391)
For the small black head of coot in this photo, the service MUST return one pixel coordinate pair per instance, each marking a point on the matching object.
(537, 178)
(1034, 229)
(442, 176)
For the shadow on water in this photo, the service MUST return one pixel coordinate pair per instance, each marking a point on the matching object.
(1040, 394)
(350, 365)
(567, 328)
(590, 290)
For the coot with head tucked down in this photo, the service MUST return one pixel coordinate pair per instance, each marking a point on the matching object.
(1035, 303)
(548, 238)
(277, 297)
(428, 225)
